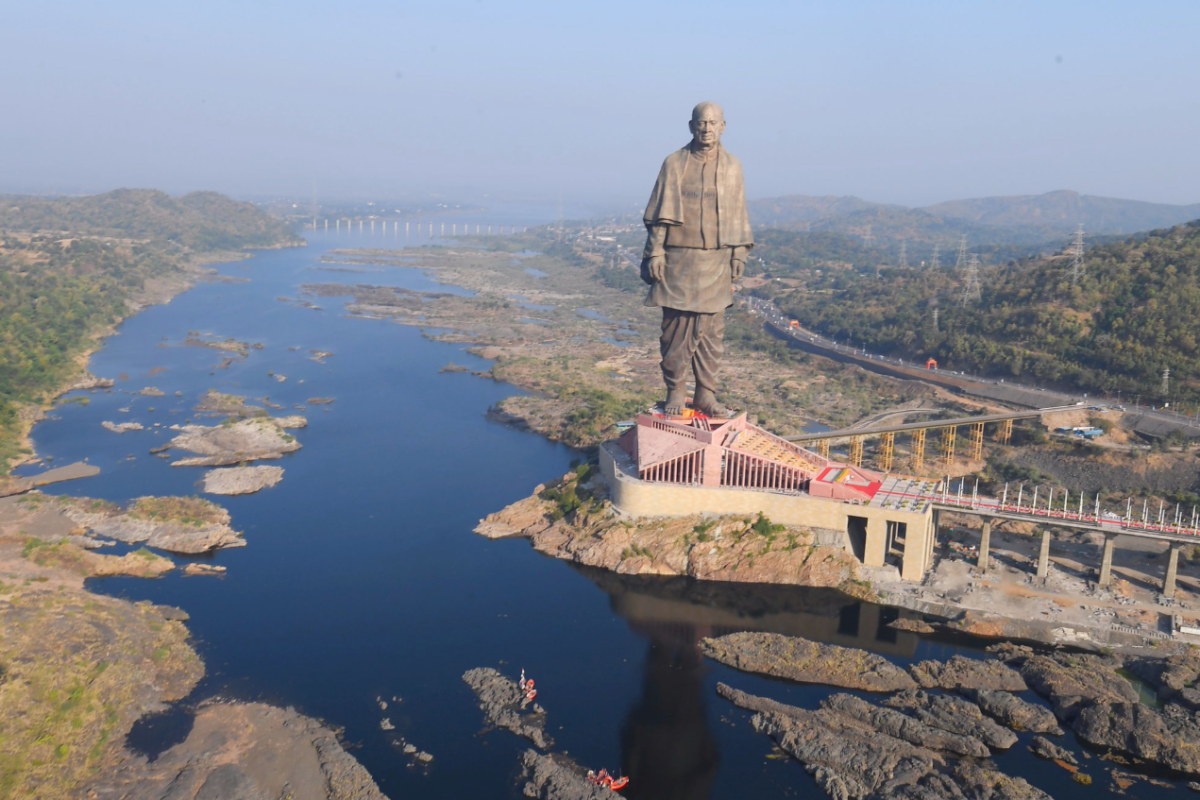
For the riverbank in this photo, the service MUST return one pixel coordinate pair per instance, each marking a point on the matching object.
(79, 669)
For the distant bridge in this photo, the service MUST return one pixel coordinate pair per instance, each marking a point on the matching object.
(948, 427)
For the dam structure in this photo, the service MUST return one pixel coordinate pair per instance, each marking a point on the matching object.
(678, 466)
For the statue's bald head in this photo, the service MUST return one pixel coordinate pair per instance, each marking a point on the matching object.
(707, 125)
(707, 108)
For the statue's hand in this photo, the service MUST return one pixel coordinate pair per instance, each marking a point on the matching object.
(657, 267)
(736, 269)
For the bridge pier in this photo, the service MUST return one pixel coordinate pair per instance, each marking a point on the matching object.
(1172, 570)
(985, 541)
(1106, 561)
(1043, 567)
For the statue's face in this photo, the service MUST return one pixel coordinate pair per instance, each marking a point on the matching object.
(707, 125)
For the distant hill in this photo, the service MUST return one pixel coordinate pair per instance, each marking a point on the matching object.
(1062, 211)
(1005, 227)
(198, 221)
(1136, 311)
(71, 267)
(799, 209)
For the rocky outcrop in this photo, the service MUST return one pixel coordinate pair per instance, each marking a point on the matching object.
(556, 777)
(504, 706)
(1042, 747)
(244, 750)
(122, 427)
(215, 402)
(846, 756)
(955, 715)
(909, 729)
(970, 780)
(572, 519)
(961, 673)
(177, 524)
(1018, 714)
(982, 781)
(1073, 681)
(241, 480)
(799, 659)
(1169, 738)
(911, 625)
(233, 443)
(1173, 677)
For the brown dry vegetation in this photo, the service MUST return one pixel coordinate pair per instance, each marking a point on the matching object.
(581, 381)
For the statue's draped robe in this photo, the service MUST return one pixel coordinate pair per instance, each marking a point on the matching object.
(697, 270)
(696, 220)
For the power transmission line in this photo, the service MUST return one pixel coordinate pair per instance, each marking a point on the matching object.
(1077, 268)
(972, 291)
(962, 253)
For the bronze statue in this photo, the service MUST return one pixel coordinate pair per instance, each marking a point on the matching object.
(698, 236)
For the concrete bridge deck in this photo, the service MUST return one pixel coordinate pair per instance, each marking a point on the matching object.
(931, 424)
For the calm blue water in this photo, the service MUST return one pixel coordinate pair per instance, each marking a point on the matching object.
(362, 577)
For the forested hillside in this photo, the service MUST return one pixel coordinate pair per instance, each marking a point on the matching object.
(69, 268)
(1135, 311)
(200, 220)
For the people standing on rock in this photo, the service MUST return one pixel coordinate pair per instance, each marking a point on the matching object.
(698, 237)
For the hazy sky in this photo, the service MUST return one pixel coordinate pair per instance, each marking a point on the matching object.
(907, 102)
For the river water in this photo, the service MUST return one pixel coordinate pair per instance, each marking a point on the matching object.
(362, 578)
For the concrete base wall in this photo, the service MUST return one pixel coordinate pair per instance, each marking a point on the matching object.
(640, 498)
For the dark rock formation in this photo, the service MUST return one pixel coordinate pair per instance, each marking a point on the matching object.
(800, 659)
(556, 777)
(1044, 748)
(954, 715)
(1173, 677)
(847, 757)
(1170, 737)
(1018, 714)
(967, 673)
(503, 705)
(1073, 681)
(902, 726)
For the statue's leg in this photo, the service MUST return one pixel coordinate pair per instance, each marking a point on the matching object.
(706, 363)
(677, 345)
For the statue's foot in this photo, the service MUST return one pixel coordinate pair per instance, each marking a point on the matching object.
(676, 402)
(706, 403)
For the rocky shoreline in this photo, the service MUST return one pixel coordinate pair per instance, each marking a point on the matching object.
(572, 519)
(904, 746)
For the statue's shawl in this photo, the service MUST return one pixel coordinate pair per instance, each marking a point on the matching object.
(666, 201)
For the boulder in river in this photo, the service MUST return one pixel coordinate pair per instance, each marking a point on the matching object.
(961, 673)
(1042, 747)
(799, 659)
(503, 704)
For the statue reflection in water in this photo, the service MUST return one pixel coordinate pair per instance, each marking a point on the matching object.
(668, 747)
